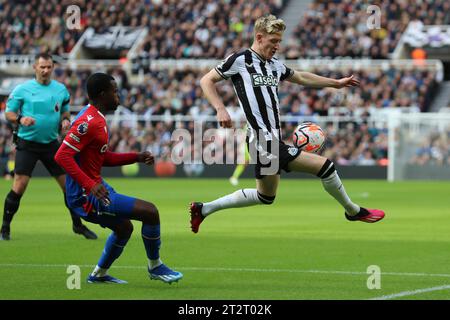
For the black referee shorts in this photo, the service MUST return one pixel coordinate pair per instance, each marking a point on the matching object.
(29, 152)
(269, 162)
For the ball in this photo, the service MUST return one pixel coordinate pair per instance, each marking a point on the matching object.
(309, 136)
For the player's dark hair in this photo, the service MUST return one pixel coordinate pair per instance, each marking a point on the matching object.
(96, 83)
(43, 55)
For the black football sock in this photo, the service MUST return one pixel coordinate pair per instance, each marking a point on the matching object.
(12, 203)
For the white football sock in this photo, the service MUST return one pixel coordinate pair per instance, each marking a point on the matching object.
(237, 199)
(152, 264)
(99, 272)
(334, 186)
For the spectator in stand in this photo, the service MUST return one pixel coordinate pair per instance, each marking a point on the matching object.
(178, 29)
(339, 29)
(176, 91)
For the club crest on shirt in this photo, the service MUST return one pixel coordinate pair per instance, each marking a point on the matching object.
(57, 107)
(82, 128)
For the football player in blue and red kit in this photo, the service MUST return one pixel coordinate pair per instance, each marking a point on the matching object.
(82, 154)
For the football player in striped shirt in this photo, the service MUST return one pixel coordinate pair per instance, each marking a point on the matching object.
(256, 74)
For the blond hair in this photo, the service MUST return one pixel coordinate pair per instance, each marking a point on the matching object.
(269, 24)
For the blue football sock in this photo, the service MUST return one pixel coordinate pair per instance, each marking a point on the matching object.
(152, 240)
(113, 248)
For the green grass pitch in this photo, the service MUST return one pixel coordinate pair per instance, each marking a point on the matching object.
(299, 248)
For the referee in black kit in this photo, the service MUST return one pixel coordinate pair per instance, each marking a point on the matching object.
(39, 108)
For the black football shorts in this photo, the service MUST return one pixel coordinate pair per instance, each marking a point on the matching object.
(270, 160)
(29, 152)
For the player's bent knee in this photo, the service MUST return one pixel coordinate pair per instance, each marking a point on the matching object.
(144, 208)
(153, 210)
(266, 199)
(124, 230)
(151, 214)
(146, 212)
(326, 170)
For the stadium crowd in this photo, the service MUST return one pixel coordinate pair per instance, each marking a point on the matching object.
(347, 143)
(433, 150)
(177, 29)
(177, 91)
(212, 29)
(340, 28)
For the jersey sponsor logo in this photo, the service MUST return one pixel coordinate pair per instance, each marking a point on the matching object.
(89, 117)
(57, 107)
(74, 137)
(82, 128)
(260, 80)
(104, 148)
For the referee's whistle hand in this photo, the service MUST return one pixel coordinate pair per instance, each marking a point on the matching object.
(65, 125)
(27, 121)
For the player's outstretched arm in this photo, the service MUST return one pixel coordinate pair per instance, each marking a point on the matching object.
(309, 79)
(114, 159)
(208, 84)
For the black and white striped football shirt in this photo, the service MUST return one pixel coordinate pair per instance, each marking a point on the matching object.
(255, 82)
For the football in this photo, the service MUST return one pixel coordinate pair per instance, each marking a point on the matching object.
(309, 136)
